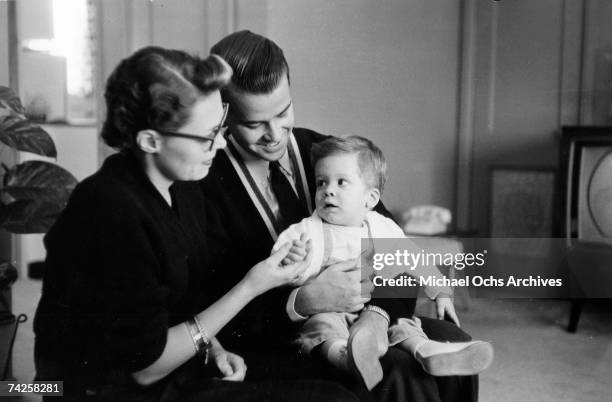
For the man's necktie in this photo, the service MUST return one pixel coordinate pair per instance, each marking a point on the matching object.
(291, 209)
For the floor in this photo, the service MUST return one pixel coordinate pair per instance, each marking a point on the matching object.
(535, 358)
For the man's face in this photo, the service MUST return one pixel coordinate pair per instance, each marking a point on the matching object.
(261, 123)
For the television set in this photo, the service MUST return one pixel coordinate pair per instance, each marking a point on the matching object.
(586, 183)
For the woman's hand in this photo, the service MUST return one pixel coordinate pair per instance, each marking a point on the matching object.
(444, 305)
(270, 274)
(230, 365)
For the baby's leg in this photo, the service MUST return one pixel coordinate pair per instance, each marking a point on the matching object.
(364, 354)
(335, 352)
(441, 358)
(320, 328)
(325, 336)
(378, 324)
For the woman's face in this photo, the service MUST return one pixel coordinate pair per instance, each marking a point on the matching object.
(189, 159)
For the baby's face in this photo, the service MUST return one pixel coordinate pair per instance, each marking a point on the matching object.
(343, 197)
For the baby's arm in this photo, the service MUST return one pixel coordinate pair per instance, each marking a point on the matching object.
(392, 230)
(428, 270)
(441, 294)
(298, 235)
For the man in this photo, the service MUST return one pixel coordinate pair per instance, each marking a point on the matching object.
(261, 183)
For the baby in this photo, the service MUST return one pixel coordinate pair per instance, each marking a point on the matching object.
(350, 173)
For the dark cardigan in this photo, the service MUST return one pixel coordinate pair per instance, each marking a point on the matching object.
(122, 267)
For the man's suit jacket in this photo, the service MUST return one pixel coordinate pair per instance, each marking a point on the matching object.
(239, 238)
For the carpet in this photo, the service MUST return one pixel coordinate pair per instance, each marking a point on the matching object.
(536, 359)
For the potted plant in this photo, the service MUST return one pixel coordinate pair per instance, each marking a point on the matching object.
(32, 193)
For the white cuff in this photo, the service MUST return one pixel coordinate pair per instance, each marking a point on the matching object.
(434, 291)
(293, 315)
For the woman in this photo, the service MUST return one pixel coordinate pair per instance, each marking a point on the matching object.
(122, 316)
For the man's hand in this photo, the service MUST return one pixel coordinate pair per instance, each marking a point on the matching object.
(339, 288)
(444, 305)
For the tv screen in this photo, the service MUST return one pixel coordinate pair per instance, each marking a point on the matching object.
(585, 183)
(594, 217)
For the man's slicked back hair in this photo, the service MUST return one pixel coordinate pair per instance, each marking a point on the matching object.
(258, 63)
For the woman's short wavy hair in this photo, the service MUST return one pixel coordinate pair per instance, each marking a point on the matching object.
(371, 160)
(155, 88)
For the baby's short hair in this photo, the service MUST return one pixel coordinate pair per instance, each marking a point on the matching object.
(372, 163)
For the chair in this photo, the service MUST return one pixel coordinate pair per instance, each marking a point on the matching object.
(586, 213)
(427, 226)
(8, 331)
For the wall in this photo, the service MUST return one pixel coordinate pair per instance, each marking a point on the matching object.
(525, 85)
(448, 89)
(358, 67)
(127, 25)
(384, 70)
(596, 99)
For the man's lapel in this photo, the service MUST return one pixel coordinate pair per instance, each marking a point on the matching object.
(301, 177)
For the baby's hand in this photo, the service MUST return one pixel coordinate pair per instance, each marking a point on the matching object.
(297, 252)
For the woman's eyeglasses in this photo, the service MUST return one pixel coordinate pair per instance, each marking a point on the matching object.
(211, 136)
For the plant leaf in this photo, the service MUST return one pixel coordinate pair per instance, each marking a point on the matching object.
(10, 100)
(8, 274)
(27, 216)
(39, 181)
(22, 135)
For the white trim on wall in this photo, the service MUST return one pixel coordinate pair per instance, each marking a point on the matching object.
(465, 140)
(570, 82)
(493, 66)
(13, 46)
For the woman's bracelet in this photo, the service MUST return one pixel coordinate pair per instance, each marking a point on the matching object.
(195, 335)
(203, 333)
(200, 338)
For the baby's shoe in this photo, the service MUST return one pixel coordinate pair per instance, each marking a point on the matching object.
(364, 353)
(456, 358)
